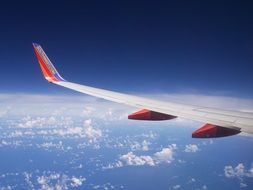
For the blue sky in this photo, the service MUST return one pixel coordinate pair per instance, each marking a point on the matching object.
(130, 46)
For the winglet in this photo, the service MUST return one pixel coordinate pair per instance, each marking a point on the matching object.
(48, 69)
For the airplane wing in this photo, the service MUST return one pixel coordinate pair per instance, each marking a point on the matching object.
(218, 122)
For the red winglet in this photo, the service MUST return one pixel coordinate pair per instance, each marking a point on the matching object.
(48, 70)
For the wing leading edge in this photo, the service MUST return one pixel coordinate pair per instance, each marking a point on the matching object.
(219, 122)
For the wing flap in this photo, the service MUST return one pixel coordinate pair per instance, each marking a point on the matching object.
(150, 115)
(213, 131)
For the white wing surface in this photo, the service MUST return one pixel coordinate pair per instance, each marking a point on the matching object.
(218, 122)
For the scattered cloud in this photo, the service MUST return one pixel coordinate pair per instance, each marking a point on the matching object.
(176, 187)
(28, 177)
(50, 145)
(8, 187)
(60, 123)
(192, 180)
(90, 132)
(132, 160)
(204, 187)
(117, 164)
(107, 186)
(166, 154)
(150, 135)
(242, 185)
(76, 182)
(144, 145)
(238, 171)
(10, 143)
(52, 180)
(191, 148)
(42, 122)
(55, 126)
(181, 161)
(88, 111)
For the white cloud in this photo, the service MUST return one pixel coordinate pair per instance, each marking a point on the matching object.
(150, 135)
(76, 182)
(176, 187)
(4, 143)
(117, 164)
(166, 155)
(12, 143)
(133, 160)
(44, 122)
(88, 110)
(144, 146)
(204, 187)
(242, 185)
(8, 187)
(90, 132)
(135, 146)
(28, 177)
(107, 186)
(191, 148)
(96, 186)
(28, 122)
(181, 161)
(192, 180)
(50, 145)
(239, 171)
(55, 126)
(46, 180)
(16, 133)
(54, 180)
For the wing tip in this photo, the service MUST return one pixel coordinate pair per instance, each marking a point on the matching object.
(35, 44)
(48, 69)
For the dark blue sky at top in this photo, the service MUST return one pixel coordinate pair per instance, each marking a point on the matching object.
(130, 46)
